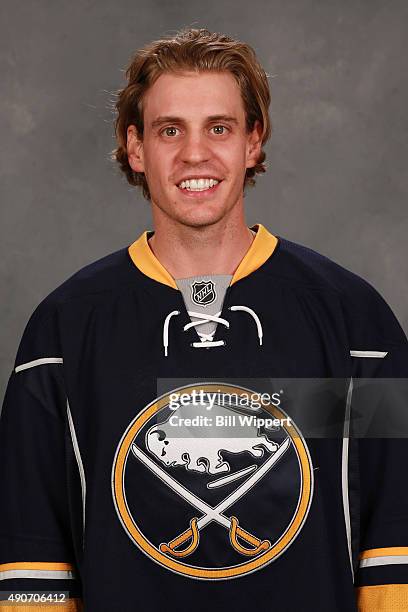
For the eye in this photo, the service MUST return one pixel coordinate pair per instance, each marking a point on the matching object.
(219, 129)
(169, 131)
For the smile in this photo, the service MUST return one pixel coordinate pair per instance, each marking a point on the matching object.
(201, 184)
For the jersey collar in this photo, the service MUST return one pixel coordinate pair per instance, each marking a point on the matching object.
(260, 250)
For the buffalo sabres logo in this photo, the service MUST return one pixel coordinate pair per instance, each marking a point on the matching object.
(203, 293)
(208, 490)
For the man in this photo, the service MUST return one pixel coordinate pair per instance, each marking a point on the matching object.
(161, 437)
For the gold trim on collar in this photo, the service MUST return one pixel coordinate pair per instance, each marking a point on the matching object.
(260, 250)
(147, 262)
(262, 247)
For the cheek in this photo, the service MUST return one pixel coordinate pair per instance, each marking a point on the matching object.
(232, 157)
(153, 168)
(158, 165)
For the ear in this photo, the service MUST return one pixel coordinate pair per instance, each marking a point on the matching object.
(254, 145)
(134, 147)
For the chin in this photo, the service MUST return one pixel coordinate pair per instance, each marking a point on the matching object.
(203, 219)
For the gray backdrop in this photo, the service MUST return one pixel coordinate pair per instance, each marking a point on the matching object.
(336, 180)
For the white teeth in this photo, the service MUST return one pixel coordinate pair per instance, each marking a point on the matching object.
(198, 184)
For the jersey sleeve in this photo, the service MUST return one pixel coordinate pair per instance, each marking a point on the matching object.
(37, 552)
(382, 576)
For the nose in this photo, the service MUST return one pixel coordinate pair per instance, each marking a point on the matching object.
(195, 149)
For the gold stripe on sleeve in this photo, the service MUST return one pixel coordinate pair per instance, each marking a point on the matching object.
(35, 565)
(384, 552)
(383, 598)
(70, 605)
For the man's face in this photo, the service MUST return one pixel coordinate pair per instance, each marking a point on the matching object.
(194, 128)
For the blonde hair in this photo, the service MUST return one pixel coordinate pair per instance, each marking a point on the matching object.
(190, 50)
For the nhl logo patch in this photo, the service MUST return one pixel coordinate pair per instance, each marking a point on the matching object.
(203, 293)
(210, 490)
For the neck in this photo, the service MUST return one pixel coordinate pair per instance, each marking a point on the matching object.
(190, 251)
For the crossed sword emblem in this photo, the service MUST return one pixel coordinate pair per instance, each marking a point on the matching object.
(211, 513)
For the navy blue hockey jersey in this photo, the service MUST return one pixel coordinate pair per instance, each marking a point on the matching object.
(143, 467)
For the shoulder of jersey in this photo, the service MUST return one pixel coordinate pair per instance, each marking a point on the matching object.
(308, 270)
(96, 281)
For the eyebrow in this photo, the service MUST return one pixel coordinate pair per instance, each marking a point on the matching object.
(170, 119)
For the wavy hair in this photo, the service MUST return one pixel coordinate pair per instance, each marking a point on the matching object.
(196, 50)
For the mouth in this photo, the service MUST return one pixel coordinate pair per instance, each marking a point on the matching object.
(199, 187)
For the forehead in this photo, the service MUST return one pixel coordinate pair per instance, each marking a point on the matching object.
(191, 95)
